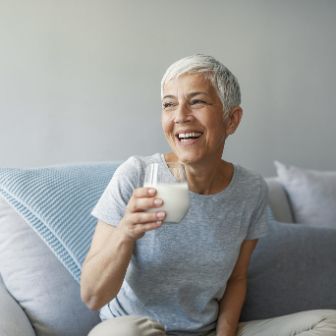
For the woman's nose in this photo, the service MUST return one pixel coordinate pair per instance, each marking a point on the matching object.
(182, 114)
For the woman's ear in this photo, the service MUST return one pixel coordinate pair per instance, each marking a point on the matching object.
(232, 120)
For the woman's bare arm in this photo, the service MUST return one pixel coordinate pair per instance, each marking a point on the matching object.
(105, 266)
(234, 296)
(106, 263)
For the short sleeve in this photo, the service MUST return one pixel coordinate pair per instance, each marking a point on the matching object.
(259, 220)
(111, 206)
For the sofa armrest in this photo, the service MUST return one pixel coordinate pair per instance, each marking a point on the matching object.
(279, 201)
(13, 320)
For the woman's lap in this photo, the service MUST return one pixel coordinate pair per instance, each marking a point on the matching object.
(308, 323)
(128, 326)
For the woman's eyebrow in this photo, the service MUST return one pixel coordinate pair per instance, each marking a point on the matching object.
(189, 95)
(169, 96)
(192, 94)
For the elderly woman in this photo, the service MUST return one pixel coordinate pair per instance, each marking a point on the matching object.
(152, 278)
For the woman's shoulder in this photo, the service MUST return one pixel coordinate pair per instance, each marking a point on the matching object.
(136, 161)
(135, 165)
(250, 181)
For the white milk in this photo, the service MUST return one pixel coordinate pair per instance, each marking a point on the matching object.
(175, 200)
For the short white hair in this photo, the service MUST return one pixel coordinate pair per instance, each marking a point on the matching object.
(221, 77)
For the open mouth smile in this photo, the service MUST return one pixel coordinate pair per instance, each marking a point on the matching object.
(188, 138)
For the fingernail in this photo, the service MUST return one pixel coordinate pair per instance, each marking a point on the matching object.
(159, 222)
(160, 215)
(151, 191)
(158, 201)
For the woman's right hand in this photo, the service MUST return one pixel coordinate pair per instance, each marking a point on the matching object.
(137, 220)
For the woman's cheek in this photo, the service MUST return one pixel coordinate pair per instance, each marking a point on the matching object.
(166, 124)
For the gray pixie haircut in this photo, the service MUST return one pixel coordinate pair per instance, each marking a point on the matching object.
(220, 76)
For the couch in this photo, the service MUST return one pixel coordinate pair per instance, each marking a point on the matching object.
(45, 231)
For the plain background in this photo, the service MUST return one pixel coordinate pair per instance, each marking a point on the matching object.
(80, 80)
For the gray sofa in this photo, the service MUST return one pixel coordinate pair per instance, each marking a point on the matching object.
(293, 269)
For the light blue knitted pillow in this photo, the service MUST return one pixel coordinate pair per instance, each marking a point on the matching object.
(56, 201)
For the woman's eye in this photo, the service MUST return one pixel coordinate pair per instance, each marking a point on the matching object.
(197, 101)
(167, 105)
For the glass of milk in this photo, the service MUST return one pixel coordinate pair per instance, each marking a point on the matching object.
(172, 188)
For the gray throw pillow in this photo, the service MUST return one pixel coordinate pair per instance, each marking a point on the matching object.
(38, 281)
(292, 269)
(312, 194)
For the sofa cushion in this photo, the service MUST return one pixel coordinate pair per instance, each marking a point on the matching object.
(278, 201)
(292, 269)
(13, 320)
(56, 202)
(39, 282)
(312, 194)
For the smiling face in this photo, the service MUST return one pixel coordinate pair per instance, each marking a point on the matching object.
(193, 119)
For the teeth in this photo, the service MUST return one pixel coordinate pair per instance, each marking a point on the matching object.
(189, 135)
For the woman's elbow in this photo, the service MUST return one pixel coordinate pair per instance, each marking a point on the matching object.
(92, 301)
(89, 297)
(92, 298)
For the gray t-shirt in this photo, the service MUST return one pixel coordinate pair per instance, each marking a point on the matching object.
(178, 272)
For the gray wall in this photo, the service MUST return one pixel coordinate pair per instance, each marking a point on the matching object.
(79, 80)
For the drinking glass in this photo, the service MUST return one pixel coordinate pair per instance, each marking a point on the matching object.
(172, 188)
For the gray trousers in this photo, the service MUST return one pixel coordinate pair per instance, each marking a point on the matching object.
(308, 323)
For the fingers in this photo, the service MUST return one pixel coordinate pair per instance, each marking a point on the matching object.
(145, 217)
(135, 225)
(142, 213)
(143, 199)
(144, 192)
(140, 229)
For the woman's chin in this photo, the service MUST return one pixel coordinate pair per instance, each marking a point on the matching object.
(188, 158)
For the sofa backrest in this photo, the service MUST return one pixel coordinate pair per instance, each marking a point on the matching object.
(278, 201)
(58, 284)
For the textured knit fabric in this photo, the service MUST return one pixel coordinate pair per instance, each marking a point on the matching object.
(56, 202)
(179, 272)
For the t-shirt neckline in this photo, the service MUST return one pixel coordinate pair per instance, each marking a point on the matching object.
(211, 196)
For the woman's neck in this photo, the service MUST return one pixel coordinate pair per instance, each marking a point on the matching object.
(207, 178)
